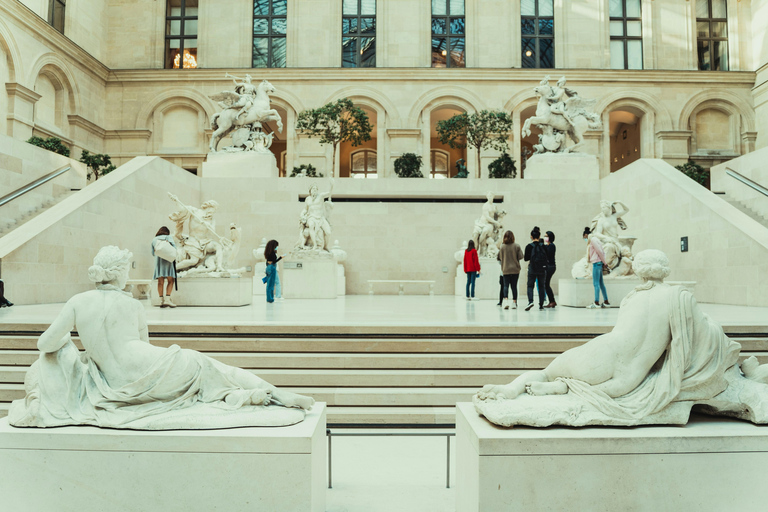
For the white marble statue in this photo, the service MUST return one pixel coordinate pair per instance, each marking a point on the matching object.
(618, 250)
(488, 227)
(258, 253)
(663, 357)
(244, 108)
(314, 227)
(122, 381)
(203, 253)
(560, 112)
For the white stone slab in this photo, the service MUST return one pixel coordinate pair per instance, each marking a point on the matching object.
(90, 469)
(209, 291)
(566, 166)
(486, 286)
(580, 293)
(309, 278)
(244, 164)
(710, 464)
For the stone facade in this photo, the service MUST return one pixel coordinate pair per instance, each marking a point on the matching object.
(101, 85)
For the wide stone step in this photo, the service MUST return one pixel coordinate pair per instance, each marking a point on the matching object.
(390, 397)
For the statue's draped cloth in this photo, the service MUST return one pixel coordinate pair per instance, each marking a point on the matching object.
(692, 370)
(183, 389)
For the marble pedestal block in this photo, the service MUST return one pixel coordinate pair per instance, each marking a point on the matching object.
(568, 166)
(88, 469)
(243, 164)
(209, 291)
(710, 464)
(309, 278)
(341, 280)
(580, 293)
(486, 286)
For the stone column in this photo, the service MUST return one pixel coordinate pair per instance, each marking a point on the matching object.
(402, 140)
(21, 110)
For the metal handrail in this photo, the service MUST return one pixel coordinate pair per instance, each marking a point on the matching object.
(33, 185)
(748, 182)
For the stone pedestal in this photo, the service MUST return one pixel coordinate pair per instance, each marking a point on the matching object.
(486, 286)
(309, 277)
(243, 164)
(209, 291)
(90, 469)
(710, 464)
(565, 166)
(341, 280)
(580, 293)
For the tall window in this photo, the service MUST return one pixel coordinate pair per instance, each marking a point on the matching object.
(438, 164)
(56, 10)
(358, 34)
(626, 34)
(270, 21)
(363, 164)
(181, 34)
(537, 26)
(712, 35)
(448, 34)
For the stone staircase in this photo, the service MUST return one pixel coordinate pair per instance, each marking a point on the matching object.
(368, 380)
(744, 208)
(35, 205)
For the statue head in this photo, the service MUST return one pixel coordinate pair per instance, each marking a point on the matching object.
(247, 79)
(561, 82)
(210, 206)
(606, 207)
(490, 196)
(313, 190)
(267, 87)
(110, 266)
(545, 81)
(651, 264)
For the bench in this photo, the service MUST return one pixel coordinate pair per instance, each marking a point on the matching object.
(401, 283)
(141, 286)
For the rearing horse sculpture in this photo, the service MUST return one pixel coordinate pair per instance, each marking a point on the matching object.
(230, 118)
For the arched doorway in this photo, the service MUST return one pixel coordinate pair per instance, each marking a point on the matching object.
(279, 141)
(625, 135)
(526, 143)
(356, 164)
(439, 152)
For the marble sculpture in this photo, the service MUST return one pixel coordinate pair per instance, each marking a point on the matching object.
(618, 250)
(488, 227)
(560, 112)
(663, 357)
(122, 381)
(314, 227)
(244, 110)
(203, 253)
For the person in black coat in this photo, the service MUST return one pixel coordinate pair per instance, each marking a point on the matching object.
(549, 245)
(535, 255)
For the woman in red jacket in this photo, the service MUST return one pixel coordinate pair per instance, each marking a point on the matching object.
(471, 268)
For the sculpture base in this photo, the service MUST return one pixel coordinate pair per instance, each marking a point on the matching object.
(91, 469)
(309, 277)
(580, 293)
(244, 164)
(486, 286)
(712, 464)
(562, 166)
(209, 291)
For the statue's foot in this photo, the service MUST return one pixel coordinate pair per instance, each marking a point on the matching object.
(493, 391)
(260, 397)
(546, 388)
(289, 399)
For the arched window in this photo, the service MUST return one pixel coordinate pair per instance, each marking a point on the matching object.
(438, 164)
(363, 164)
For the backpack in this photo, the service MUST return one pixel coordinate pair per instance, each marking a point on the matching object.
(538, 257)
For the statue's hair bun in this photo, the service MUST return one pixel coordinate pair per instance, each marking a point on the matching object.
(96, 274)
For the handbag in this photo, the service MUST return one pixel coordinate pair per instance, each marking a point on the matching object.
(165, 250)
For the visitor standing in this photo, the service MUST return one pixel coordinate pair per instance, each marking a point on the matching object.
(549, 245)
(536, 256)
(471, 268)
(165, 269)
(271, 279)
(510, 255)
(597, 259)
(4, 303)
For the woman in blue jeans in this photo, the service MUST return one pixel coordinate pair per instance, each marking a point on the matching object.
(597, 259)
(270, 253)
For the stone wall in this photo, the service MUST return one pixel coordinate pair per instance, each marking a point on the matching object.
(47, 261)
(728, 251)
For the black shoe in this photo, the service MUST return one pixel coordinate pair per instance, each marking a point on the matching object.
(499, 304)
(529, 306)
(541, 307)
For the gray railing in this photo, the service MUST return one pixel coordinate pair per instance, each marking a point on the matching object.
(748, 182)
(447, 435)
(33, 185)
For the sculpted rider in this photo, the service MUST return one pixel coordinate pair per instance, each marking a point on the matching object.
(247, 92)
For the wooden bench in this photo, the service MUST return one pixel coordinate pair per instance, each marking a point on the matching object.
(141, 286)
(401, 283)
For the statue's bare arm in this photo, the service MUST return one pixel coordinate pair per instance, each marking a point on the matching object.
(624, 209)
(55, 336)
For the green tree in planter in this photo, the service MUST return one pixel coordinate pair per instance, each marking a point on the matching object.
(307, 170)
(693, 171)
(98, 164)
(408, 165)
(502, 167)
(334, 123)
(51, 144)
(487, 129)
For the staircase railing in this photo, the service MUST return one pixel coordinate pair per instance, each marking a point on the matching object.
(748, 182)
(33, 185)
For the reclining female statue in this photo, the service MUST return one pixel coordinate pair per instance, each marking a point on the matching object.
(663, 356)
(123, 381)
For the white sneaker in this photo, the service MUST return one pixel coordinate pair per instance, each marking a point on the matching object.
(593, 306)
(162, 302)
(514, 305)
(529, 306)
(169, 302)
(505, 304)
